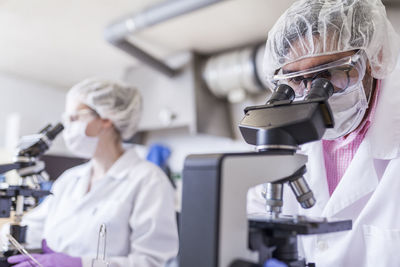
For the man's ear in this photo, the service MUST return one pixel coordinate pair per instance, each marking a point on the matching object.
(368, 68)
(368, 82)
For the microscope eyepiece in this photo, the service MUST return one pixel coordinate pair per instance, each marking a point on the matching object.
(282, 92)
(45, 129)
(320, 87)
(35, 145)
(53, 132)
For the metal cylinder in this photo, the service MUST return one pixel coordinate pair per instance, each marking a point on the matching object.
(18, 232)
(282, 92)
(302, 191)
(19, 209)
(233, 74)
(273, 196)
(320, 88)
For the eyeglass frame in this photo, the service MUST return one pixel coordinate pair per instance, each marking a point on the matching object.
(349, 61)
(66, 117)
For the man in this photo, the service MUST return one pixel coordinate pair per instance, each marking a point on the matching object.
(353, 171)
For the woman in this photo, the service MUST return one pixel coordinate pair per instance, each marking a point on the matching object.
(130, 195)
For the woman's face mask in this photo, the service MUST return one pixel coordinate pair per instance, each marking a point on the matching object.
(76, 139)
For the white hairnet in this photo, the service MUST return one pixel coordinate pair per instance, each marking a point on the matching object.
(119, 103)
(312, 28)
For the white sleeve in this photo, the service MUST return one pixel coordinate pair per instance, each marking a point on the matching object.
(154, 236)
(35, 220)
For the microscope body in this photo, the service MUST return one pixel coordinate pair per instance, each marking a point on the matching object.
(215, 229)
(214, 224)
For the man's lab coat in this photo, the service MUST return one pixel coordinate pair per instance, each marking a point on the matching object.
(136, 202)
(368, 194)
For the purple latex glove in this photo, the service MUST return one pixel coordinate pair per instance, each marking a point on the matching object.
(274, 263)
(49, 258)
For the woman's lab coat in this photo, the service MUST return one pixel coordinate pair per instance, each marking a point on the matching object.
(368, 194)
(136, 202)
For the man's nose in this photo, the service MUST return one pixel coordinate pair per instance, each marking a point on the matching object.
(307, 83)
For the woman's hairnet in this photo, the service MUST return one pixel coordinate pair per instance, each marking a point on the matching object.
(119, 103)
(312, 28)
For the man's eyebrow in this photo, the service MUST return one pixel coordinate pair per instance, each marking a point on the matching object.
(288, 71)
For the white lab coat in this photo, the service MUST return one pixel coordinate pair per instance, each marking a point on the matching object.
(368, 194)
(134, 199)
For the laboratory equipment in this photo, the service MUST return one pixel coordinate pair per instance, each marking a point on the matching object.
(215, 229)
(28, 165)
(23, 251)
(100, 261)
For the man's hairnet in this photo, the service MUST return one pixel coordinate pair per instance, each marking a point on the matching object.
(312, 28)
(120, 103)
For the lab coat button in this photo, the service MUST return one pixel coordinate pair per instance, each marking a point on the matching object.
(322, 245)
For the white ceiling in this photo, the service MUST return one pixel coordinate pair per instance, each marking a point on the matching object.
(61, 42)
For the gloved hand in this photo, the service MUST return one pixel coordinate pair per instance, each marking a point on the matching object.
(274, 263)
(49, 258)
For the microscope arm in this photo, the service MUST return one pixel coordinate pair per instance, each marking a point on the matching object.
(9, 167)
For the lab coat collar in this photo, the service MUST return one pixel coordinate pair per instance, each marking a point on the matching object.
(359, 180)
(122, 166)
(82, 181)
(118, 171)
(384, 133)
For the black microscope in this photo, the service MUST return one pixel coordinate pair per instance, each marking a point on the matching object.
(215, 230)
(28, 165)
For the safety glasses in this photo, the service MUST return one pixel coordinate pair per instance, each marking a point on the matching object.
(342, 73)
(78, 115)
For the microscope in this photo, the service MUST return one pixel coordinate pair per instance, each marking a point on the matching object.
(215, 229)
(29, 167)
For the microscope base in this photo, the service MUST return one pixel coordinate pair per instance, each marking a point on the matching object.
(4, 255)
(3, 262)
(277, 237)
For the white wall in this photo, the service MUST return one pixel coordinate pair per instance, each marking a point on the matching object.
(394, 17)
(182, 144)
(35, 103)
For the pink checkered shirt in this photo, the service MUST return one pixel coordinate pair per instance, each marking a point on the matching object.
(338, 153)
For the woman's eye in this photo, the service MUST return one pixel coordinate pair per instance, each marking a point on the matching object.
(73, 117)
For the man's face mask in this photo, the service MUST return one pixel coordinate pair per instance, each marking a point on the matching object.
(348, 111)
(348, 102)
(75, 136)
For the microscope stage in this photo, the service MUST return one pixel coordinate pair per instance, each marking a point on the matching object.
(298, 224)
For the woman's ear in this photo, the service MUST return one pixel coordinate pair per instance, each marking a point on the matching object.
(107, 123)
